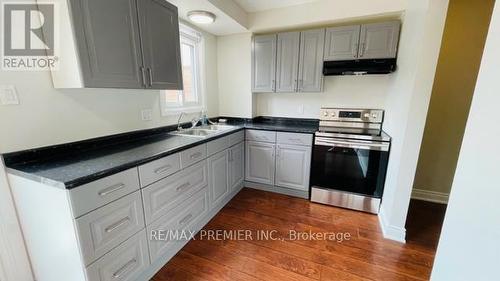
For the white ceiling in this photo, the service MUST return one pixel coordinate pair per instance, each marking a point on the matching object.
(223, 25)
(262, 5)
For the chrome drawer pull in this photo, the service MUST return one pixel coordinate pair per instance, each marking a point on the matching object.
(116, 225)
(163, 169)
(185, 219)
(124, 268)
(296, 140)
(183, 186)
(196, 155)
(111, 189)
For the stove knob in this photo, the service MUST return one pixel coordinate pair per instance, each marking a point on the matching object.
(333, 114)
(325, 113)
(374, 116)
(366, 115)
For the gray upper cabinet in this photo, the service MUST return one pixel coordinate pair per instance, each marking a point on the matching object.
(159, 27)
(264, 63)
(379, 40)
(287, 62)
(342, 43)
(107, 37)
(119, 44)
(310, 77)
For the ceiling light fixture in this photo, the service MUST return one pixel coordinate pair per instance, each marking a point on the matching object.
(202, 17)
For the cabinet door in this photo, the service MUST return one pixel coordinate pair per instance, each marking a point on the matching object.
(293, 164)
(379, 40)
(236, 165)
(312, 43)
(259, 162)
(342, 43)
(160, 44)
(287, 61)
(264, 63)
(107, 36)
(218, 173)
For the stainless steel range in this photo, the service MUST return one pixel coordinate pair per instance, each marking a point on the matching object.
(350, 159)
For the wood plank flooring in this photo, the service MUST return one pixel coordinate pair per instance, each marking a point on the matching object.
(365, 256)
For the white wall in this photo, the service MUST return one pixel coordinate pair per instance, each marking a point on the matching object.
(234, 58)
(406, 107)
(47, 116)
(339, 91)
(469, 247)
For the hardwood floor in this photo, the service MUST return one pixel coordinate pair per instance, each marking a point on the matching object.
(365, 256)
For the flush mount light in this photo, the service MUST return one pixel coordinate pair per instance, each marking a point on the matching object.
(202, 17)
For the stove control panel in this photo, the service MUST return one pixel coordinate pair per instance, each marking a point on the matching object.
(352, 115)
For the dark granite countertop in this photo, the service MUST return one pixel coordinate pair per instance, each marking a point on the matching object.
(71, 165)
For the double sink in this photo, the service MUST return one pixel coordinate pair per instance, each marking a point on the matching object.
(204, 131)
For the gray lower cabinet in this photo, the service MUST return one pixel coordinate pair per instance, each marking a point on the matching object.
(293, 163)
(119, 44)
(236, 165)
(218, 174)
(287, 62)
(264, 63)
(379, 40)
(310, 76)
(259, 163)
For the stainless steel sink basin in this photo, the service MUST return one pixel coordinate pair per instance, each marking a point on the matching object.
(203, 131)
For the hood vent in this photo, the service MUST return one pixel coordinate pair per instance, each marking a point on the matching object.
(359, 67)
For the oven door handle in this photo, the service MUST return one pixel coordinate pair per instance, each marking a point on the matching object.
(379, 146)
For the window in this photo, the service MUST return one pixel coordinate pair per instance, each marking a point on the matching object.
(191, 98)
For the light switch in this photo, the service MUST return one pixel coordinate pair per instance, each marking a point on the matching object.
(8, 95)
(147, 114)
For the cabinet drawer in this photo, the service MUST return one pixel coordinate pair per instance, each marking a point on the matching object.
(183, 217)
(105, 228)
(218, 145)
(294, 138)
(236, 138)
(159, 169)
(164, 195)
(93, 195)
(258, 135)
(193, 155)
(126, 262)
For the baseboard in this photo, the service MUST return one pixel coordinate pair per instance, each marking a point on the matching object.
(389, 231)
(277, 189)
(430, 196)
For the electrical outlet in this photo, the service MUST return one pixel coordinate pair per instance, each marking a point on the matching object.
(147, 114)
(8, 95)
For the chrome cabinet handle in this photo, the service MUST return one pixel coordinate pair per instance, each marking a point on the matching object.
(230, 156)
(301, 85)
(355, 50)
(124, 268)
(296, 82)
(196, 155)
(162, 169)
(296, 140)
(143, 76)
(362, 50)
(116, 225)
(183, 186)
(150, 74)
(274, 85)
(111, 189)
(185, 219)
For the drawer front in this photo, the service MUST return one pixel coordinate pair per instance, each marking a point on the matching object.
(126, 262)
(93, 195)
(183, 217)
(236, 138)
(158, 169)
(193, 155)
(217, 145)
(294, 138)
(166, 194)
(105, 228)
(258, 135)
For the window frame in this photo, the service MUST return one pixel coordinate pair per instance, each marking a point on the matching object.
(194, 38)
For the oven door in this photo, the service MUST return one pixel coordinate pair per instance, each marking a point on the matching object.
(350, 165)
